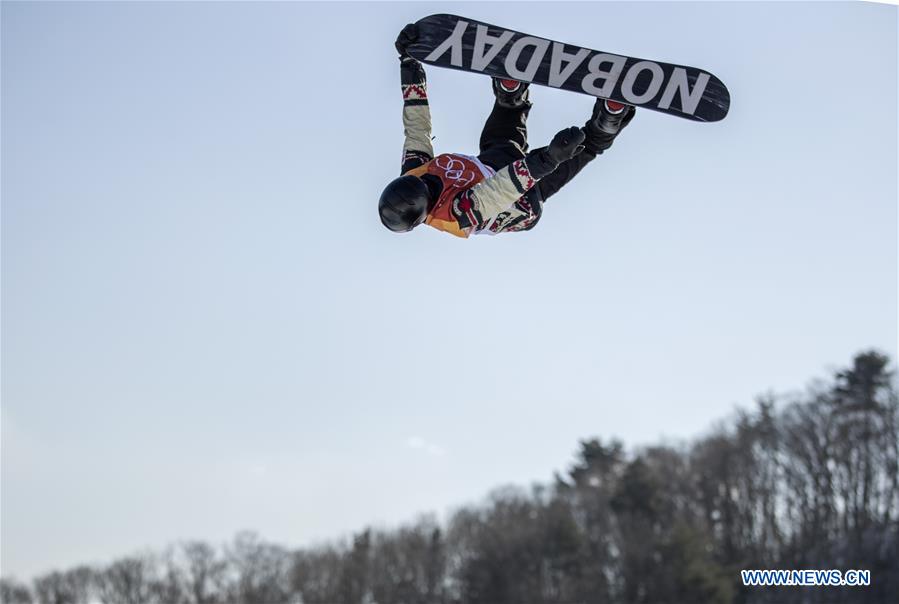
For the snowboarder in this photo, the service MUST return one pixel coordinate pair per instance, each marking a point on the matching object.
(504, 188)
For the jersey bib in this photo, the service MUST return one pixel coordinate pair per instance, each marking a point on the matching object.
(454, 211)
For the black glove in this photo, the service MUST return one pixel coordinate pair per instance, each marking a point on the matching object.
(411, 72)
(407, 36)
(565, 145)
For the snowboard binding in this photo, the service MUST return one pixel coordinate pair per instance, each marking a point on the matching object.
(511, 94)
(608, 119)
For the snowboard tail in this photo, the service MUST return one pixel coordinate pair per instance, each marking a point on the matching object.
(468, 45)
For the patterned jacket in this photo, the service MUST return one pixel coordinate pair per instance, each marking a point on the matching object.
(474, 198)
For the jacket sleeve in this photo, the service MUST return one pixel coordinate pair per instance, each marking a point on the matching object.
(417, 149)
(495, 195)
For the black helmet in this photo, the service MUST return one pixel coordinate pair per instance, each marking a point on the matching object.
(404, 204)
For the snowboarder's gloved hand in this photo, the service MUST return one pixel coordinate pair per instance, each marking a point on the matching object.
(565, 145)
(407, 36)
(412, 72)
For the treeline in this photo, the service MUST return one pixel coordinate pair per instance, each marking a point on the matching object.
(807, 481)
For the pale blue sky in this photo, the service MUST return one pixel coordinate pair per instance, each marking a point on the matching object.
(206, 328)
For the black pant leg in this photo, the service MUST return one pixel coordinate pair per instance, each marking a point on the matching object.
(505, 136)
(550, 185)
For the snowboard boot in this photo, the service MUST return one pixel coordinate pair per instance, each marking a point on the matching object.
(608, 119)
(510, 93)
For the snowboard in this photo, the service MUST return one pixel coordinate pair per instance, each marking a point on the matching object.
(468, 45)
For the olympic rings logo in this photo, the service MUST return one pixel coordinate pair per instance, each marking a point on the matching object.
(455, 170)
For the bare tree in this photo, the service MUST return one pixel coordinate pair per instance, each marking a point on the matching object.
(131, 580)
(70, 587)
(408, 565)
(317, 575)
(168, 586)
(203, 574)
(261, 571)
(14, 592)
